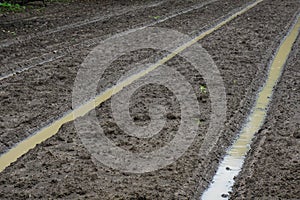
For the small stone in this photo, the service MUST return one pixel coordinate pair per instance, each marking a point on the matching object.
(297, 134)
(224, 195)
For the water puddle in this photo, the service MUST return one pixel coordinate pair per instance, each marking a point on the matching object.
(234, 159)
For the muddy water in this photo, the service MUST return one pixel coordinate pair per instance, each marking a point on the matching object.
(23, 147)
(233, 161)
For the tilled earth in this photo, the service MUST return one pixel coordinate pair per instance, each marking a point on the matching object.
(62, 167)
(51, 86)
(272, 169)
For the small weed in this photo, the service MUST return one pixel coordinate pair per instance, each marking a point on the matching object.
(203, 89)
(199, 121)
(5, 6)
(155, 17)
(9, 32)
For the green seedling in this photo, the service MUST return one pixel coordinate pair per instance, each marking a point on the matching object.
(203, 89)
(5, 6)
(10, 32)
(155, 17)
(197, 120)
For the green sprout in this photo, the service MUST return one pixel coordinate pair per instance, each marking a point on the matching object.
(5, 6)
(198, 122)
(155, 17)
(203, 89)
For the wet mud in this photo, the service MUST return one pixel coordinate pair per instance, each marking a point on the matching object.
(271, 170)
(62, 168)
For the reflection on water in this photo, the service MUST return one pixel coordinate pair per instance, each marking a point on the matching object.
(233, 161)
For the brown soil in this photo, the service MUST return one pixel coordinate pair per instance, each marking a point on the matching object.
(62, 168)
(31, 50)
(34, 98)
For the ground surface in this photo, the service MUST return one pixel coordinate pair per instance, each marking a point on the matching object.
(272, 168)
(53, 50)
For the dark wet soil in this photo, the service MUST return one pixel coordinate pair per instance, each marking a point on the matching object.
(34, 98)
(271, 170)
(50, 44)
(37, 18)
(62, 168)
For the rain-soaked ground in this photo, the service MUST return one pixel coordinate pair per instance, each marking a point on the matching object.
(41, 54)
